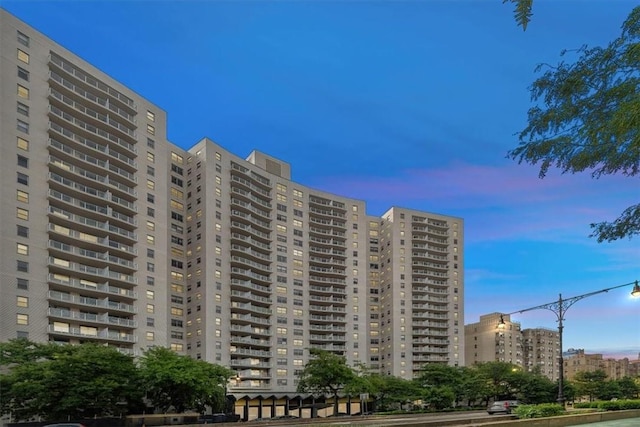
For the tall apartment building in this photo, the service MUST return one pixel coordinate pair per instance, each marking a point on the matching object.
(485, 342)
(112, 234)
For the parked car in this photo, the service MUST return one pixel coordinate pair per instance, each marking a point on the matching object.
(502, 407)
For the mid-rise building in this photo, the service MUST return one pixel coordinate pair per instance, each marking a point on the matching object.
(541, 349)
(112, 234)
(576, 360)
(532, 349)
(486, 342)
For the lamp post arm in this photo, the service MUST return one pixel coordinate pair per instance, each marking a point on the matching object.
(562, 305)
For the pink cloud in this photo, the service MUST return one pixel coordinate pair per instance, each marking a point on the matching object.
(458, 182)
(499, 202)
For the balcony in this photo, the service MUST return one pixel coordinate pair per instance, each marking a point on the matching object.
(91, 288)
(75, 220)
(89, 255)
(97, 148)
(89, 333)
(64, 65)
(100, 319)
(103, 273)
(247, 284)
(99, 118)
(104, 304)
(92, 130)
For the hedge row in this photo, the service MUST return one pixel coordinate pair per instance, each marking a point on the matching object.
(610, 405)
(539, 411)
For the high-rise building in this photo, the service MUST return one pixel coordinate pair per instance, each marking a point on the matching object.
(112, 234)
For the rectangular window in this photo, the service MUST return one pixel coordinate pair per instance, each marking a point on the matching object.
(23, 39)
(176, 158)
(23, 179)
(22, 126)
(22, 249)
(22, 266)
(22, 302)
(22, 144)
(22, 284)
(22, 214)
(23, 231)
(23, 92)
(23, 56)
(22, 196)
(23, 161)
(22, 319)
(151, 116)
(23, 109)
(23, 74)
(151, 130)
(151, 157)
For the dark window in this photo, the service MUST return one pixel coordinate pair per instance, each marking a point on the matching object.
(23, 231)
(23, 179)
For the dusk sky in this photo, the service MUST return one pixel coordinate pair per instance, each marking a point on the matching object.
(398, 103)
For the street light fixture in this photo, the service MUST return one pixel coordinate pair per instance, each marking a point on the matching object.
(559, 308)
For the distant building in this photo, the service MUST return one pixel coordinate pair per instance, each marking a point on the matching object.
(578, 361)
(541, 348)
(532, 349)
(485, 342)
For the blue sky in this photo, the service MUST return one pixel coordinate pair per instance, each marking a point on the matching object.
(399, 103)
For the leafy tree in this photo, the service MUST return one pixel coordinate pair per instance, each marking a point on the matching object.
(522, 11)
(21, 350)
(325, 373)
(629, 388)
(587, 118)
(537, 388)
(440, 374)
(440, 397)
(82, 381)
(609, 390)
(179, 382)
(589, 383)
(474, 386)
(503, 378)
(396, 392)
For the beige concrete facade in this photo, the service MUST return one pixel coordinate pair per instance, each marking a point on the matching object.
(112, 234)
(541, 348)
(578, 361)
(485, 342)
(532, 349)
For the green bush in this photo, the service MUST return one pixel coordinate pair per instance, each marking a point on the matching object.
(618, 405)
(610, 405)
(539, 411)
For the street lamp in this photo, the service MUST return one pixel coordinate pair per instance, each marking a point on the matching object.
(559, 308)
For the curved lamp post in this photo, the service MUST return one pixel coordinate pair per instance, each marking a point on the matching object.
(559, 308)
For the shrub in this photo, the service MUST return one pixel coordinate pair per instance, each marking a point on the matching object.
(618, 405)
(539, 411)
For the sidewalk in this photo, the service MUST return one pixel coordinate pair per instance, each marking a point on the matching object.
(629, 422)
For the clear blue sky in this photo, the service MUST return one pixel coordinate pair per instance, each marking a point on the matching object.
(406, 103)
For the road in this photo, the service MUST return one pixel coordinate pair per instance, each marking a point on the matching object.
(437, 419)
